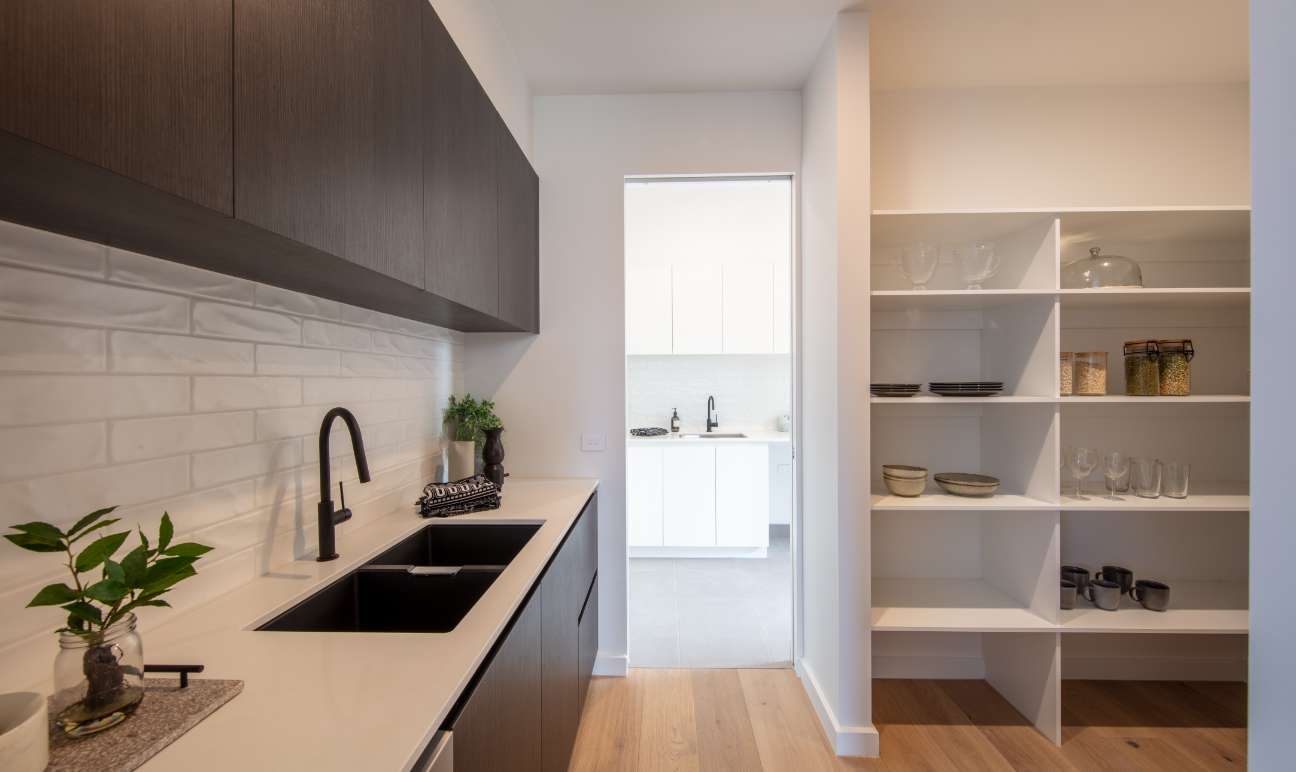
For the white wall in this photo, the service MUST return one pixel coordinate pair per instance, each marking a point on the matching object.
(476, 28)
(132, 381)
(1273, 530)
(1055, 146)
(570, 379)
(836, 661)
(751, 390)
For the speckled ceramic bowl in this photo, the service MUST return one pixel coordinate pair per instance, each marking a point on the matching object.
(962, 484)
(904, 472)
(907, 487)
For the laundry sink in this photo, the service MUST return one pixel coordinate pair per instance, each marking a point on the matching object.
(425, 584)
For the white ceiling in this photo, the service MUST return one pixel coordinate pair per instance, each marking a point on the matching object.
(636, 46)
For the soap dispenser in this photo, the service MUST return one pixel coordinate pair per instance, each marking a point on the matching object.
(675, 420)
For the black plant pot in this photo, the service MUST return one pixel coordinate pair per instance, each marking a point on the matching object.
(493, 455)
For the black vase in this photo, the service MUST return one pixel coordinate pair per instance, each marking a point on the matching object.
(493, 455)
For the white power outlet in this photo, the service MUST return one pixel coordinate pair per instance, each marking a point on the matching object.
(593, 443)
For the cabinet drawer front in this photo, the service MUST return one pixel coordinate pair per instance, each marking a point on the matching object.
(690, 497)
(644, 490)
(742, 496)
(588, 641)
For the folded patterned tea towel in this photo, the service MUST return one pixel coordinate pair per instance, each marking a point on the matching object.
(471, 494)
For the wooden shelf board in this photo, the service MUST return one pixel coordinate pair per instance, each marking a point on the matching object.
(949, 605)
(1212, 497)
(1112, 297)
(1196, 607)
(945, 501)
(1061, 210)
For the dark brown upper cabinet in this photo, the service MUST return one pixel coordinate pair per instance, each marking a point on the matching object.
(519, 229)
(328, 148)
(137, 87)
(461, 175)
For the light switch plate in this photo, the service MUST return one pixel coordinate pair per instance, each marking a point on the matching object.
(591, 443)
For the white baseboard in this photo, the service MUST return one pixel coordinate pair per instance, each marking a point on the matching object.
(940, 667)
(699, 552)
(615, 665)
(845, 741)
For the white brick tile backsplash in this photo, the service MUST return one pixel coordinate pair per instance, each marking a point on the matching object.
(46, 348)
(224, 321)
(242, 393)
(371, 364)
(40, 450)
(34, 399)
(129, 380)
(295, 302)
(50, 251)
(221, 466)
(145, 352)
(152, 437)
(34, 295)
(293, 360)
(289, 422)
(132, 268)
(336, 391)
(316, 333)
(62, 498)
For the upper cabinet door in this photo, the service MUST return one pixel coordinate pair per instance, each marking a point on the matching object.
(782, 307)
(461, 174)
(328, 150)
(135, 86)
(748, 303)
(648, 309)
(519, 234)
(697, 297)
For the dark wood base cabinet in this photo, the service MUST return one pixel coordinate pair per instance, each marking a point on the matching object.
(523, 708)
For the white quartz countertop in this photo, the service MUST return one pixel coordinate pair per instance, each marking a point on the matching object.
(691, 437)
(347, 701)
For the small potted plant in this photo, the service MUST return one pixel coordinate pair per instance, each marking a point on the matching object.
(469, 420)
(99, 671)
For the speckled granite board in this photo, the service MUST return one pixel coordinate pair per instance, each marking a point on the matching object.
(166, 713)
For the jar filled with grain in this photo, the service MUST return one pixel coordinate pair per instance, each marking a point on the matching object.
(1174, 367)
(1066, 373)
(1090, 373)
(1142, 373)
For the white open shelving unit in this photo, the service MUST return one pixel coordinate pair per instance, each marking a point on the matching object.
(968, 588)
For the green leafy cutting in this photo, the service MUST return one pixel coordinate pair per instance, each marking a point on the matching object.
(140, 578)
(470, 417)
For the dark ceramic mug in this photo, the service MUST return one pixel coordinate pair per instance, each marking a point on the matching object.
(1076, 575)
(1155, 596)
(1104, 594)
(1120, 575)
(1068, 595)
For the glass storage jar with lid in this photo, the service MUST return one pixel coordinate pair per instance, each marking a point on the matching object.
(1099, 270)
(1142, 373)
(1066, 373)
(1090, 378)
(1174, 367)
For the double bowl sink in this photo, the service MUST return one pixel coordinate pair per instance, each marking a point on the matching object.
(426, 583)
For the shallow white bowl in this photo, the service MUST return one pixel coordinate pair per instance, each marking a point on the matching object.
(904, 472)
(24, 732)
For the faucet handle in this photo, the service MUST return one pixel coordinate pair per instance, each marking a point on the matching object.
(343, 514)
(342, 494)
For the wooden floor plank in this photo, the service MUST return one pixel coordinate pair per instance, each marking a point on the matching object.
(668, 739)
(762, 721)
(726, 741)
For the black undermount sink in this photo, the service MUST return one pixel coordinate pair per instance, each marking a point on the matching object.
(425, 584)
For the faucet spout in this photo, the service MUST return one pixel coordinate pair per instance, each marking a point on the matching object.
(328, 517)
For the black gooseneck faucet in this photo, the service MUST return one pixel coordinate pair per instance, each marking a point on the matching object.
(713, 419)
(328, 518)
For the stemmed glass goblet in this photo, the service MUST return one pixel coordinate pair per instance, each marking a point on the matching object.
(1080, 462)
(918, 262)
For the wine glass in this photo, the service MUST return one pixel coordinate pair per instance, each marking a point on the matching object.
(1080, 462)
(977, 262)
(1116, 471)
(918, 263)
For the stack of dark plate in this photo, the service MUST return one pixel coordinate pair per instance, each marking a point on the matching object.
(894, 389)
(966, 388)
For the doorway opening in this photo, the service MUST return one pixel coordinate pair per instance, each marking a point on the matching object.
(709, 412)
